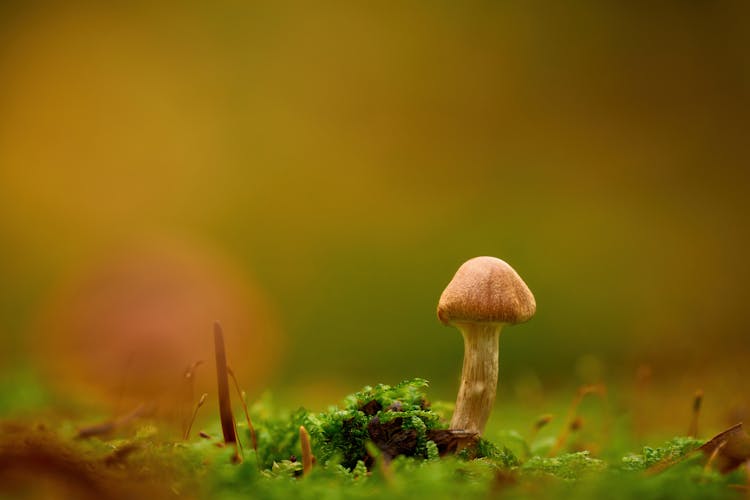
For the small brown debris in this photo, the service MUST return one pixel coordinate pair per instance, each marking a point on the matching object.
(540, 423)
(450, 441)
(120, 454)
(109, 426)
(391, 438)
(371, 408)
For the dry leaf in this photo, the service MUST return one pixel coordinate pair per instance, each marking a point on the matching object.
(728, 450)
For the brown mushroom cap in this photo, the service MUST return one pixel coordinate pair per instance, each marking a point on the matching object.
(486, 290)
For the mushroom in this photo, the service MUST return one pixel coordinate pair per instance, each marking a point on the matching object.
(484, 295)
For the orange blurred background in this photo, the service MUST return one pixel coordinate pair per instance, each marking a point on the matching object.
(313, 175)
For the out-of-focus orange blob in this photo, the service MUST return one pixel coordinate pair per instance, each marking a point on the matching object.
(124, 330)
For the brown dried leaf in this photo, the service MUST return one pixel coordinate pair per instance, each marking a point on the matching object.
(728, 450)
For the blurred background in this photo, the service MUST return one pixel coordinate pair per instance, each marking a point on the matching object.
(313, 174)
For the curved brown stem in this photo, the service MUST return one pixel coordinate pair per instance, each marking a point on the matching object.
(222, 378)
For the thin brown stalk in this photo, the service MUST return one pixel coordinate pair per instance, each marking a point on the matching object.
(598, 389)
(186, 407)
(697, 403)
(225, 403)
(195, 413)
(243, 398)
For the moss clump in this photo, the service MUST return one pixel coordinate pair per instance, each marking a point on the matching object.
(568, 466)
(397, 419)
(278, 436)
(672, 451)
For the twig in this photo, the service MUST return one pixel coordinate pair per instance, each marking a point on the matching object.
(225, 403)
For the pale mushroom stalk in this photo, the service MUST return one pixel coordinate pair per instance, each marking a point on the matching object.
(476, 395)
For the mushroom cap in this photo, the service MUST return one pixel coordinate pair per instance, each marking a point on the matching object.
(486, 290)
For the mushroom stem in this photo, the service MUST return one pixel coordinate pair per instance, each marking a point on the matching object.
(476, 396)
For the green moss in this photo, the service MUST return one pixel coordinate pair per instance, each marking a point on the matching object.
(375, 444)
(671, 451)
(278, 437)
(396, 418)
(568, 466)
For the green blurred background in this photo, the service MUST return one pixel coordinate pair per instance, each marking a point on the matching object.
(329, 166)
